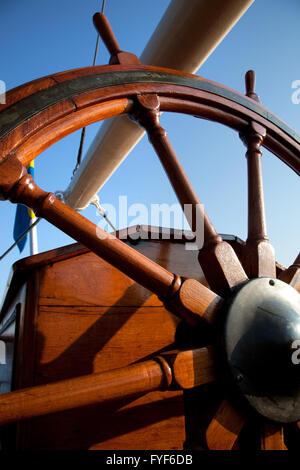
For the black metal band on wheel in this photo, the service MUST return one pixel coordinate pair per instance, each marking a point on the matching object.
(188, 92)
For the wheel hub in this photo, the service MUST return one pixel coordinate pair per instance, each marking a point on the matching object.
(262, 335)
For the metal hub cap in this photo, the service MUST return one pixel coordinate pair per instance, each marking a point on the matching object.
(262, 341)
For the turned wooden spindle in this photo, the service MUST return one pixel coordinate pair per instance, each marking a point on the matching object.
(214, 258)
(147, 114)
(259, 253)
(259, 259)
(177, 369)
(185, 297)
(253, 139)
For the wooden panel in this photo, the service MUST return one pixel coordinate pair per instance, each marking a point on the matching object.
(92, 318)
(171, 256)
(103, 338)
(155, 421)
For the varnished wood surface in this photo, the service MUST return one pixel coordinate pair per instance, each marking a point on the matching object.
(117, 55)
(90, 318)
(183, 369)
(146, 272)
(225, 427)
(82, 391)
(22, 268)
(259, 254)
(222, 275)
(272, 436)
(33, 134)
(192, 368)
(276, 135)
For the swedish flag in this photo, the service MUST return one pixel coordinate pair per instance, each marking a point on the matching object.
(23, 218)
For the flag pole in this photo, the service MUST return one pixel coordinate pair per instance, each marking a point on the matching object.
(33, 241)
(33, 238)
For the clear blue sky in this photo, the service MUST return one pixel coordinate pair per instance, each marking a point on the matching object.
(39, 38)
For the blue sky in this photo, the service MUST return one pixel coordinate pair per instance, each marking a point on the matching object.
(39, 38)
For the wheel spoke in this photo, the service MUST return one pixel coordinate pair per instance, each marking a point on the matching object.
(218, 260)
(272, 437)
(187, 298)
(83, 391)
(224, 429)
(292, 274)
(182, 369)
(193, 367)
(259, 254)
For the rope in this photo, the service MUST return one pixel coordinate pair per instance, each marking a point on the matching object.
(95, 202)
(20, 238)
(59, 196)
(82, 138)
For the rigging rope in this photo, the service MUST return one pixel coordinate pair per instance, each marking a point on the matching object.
(20, 238)
(60, 197)
(82, 138)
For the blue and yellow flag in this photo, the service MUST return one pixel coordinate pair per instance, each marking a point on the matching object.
(24, 216)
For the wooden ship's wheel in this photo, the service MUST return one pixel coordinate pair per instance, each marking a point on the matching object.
(233, 328)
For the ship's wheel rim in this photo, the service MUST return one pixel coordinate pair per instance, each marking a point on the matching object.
(178, 92)
(58, 105)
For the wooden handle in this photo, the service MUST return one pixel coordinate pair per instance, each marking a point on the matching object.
(185, 369)
(103, 27)
(250, 80)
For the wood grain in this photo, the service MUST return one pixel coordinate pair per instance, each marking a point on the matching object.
(192, 368)
(277, 139)
(82, 391)
(224, 429)
(272, 436)
(63, 126)
(103, 324)
(259, 257)
(30, 127)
